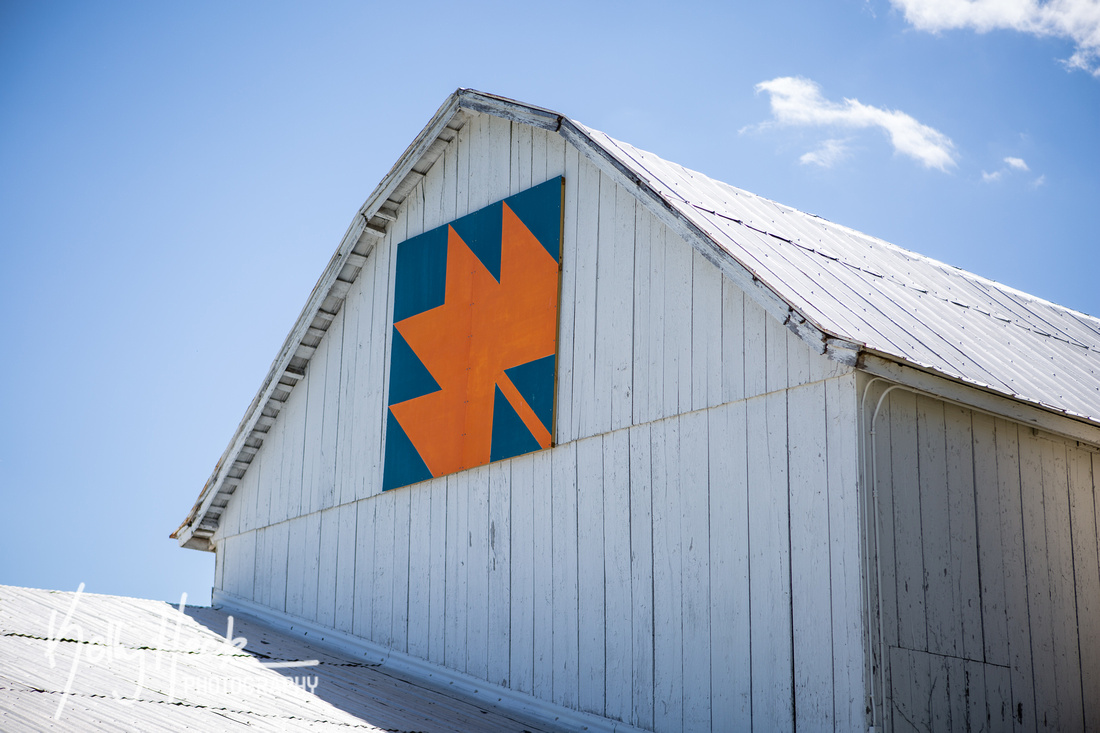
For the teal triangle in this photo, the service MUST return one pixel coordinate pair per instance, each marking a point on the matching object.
(535, 381)
(421, 280)
(404, 465)
(481, 231)
(409, 378)
(539, 208)
(510, 436)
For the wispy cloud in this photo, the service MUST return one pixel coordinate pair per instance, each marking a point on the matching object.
(1076, 20)
(1041, 180)
(1010, 164)
(827, 155)
(798, 101)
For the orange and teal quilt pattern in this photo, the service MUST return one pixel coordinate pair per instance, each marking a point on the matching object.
(475, 324)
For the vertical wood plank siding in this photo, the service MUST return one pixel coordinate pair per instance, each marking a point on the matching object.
(989, 547)
(685, 558)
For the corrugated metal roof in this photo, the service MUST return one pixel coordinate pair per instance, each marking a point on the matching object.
(895, 302)
(131, 664)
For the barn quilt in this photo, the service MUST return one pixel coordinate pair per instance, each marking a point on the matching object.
(475, 324)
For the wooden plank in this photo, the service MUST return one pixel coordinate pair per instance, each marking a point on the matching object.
(618, 636)
(964, 575)
(606, 355)
(1086, 573)
(499, 156)
(381, 629)
(399, 620)
(369, 383)
(563, 460)
(845, 561)
(733, 342)
(278, 543)
(293, 449)
(437, 591)
(973, 695)
(584, 318)
(730, 659)
(273, 503)
(642, 369)
(1039, 607)
(1064, 622)
(419, 573)
(314, 384)
(457, 545)
(990, 545)
(364, 568)
(810, 566)
(590, 570)
(432, 191)
(706, 333)
(769, 564)
(477, 584)
(694, 493)
(327, 559)
(346, 433)
(522, 586)
(500, 571)
(1017, 621)
(654, 322)
(668, 672)
(347, 517)
(883, 601)
(641, 576)
(262, 582)
(325, 486)
(564, 423)
(542, 574)
(619, 283)
(775, 351)
(677, 324)
(556, 148)
(377, 360)
(520, 167)
(311, 548)
(908, 549)
(755, 352)
(798, 360)
(999, 712)
(246, 565)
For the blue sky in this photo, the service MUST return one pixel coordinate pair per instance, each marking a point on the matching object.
(174, 177)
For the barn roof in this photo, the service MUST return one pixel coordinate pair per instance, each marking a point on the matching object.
(846, 294)
(83, 661)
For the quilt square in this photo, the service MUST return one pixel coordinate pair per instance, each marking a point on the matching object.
(475, 327)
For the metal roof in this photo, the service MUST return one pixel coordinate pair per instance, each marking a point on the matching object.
(131, 664)
(844, 293)
(891, 301)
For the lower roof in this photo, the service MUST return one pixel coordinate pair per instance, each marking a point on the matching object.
(126, 663)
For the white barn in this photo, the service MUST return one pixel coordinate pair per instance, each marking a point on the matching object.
(800, 478)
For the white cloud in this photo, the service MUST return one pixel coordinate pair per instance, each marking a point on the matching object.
(1039, 181)
(1011, 164)
(797, 101)
(1076, 20)
(829, 154)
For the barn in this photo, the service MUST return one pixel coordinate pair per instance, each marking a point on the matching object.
(573, 428)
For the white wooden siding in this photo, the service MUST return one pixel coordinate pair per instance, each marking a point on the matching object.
(988, 551)
(642, 568)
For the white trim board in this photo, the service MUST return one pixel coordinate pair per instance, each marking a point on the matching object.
(482, 693)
